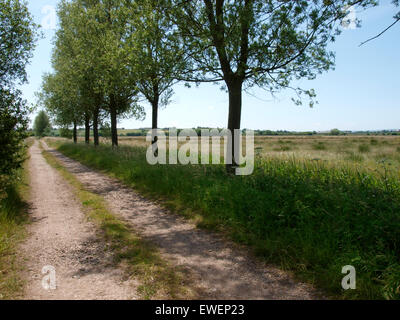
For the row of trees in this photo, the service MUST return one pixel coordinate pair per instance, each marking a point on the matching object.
(110, 55)
(18, 34)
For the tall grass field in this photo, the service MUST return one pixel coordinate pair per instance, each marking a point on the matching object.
(311, 206)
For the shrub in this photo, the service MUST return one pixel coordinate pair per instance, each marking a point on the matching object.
(363, 148)
(374, 142)
(65, 133)
(13, 130)
(105, 131)
(319, 146)
(335, 132)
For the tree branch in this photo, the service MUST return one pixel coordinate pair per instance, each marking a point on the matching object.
(377, 36)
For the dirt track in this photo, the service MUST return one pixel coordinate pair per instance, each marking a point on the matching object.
(61, 237)
(219, 267)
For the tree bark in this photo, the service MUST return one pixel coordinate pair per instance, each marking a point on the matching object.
(235, 113)
(113, 113)
(75, 133)
(87, 128)
(96, 126)
(155, 125)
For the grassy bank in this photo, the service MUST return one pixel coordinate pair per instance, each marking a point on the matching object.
(158, 280)
(302, 215)
(13, 218)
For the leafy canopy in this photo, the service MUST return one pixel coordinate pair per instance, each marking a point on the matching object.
(265, 43)
(156, 54)
(18, 34)
(17, 41)
(13, 126)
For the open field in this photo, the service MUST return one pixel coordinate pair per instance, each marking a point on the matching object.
(364, 152)
(312, 206)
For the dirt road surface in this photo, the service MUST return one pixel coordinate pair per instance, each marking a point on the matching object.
(220, 268)
(61, 237)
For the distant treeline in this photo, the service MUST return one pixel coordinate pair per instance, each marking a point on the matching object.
(142, 132)
(333, 132)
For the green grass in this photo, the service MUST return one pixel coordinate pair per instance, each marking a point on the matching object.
(13, 218)
(354, 157)
(364, 148)
(304, 216)
(283, 148)
(158, 280)
(374, 142)
(319, 146)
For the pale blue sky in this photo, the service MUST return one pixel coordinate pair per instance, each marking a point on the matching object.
(363, 93)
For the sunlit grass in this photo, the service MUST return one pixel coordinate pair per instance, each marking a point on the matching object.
(307, 214)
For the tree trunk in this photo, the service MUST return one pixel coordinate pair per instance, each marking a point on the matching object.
(235, 113)
(75, 133)
(87, 128)
(113, 113)
(155, 125)
(96, 126)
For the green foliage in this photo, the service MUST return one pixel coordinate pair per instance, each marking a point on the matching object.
(305, 216)
(13, 126)
(18, 35)
(105, 131)
(319, 146)
(108, 51)
(374, 142)
(335, 132)
(356, 157)
(42, 125)
(260, 43)
(283, 133)
(283, 147)
(156, 53)
(13, 216)
(58, 96)
(65, 133)
(136, 134)
(94, 74)
(364, 148)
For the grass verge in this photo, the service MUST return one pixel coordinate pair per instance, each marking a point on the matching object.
(141, 259)
(13, 219)
(302, 215)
